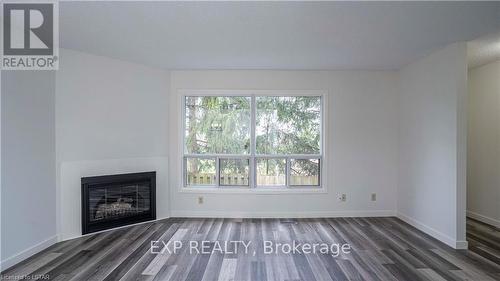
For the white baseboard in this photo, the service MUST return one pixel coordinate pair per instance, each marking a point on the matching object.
(220, 214)
(462, 245)
(17, 258)
(455, 244)
(8, 262)
(485, 219)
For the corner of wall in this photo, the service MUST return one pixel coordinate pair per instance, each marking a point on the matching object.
(437, 81)
(450, 241)
(462, 101)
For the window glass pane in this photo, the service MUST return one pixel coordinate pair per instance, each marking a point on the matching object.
(234, 171)
(288, 125)
(200, 171)
(217, 125)
(271, 172)
(304, 171)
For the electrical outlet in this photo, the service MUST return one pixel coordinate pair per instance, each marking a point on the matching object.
(374, 196)
(342, 197)
(200, 200)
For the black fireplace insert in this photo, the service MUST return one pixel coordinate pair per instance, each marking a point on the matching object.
(117, 200)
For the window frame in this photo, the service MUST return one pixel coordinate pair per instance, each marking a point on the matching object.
(253, 155)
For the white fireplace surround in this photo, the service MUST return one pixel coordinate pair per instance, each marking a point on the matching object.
(69, 224)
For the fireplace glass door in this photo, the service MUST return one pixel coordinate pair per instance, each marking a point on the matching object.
(116, 200)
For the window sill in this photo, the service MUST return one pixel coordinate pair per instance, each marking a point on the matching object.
(246, 190)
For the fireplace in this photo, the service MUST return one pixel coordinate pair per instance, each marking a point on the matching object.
(117, 200)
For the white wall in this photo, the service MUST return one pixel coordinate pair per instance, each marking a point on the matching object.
(107, 108)
(431, 188)
(1, 255)
(28, 164)
(483, 144)
(111, 115)
(360, 144)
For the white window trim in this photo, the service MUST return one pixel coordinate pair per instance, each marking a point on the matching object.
(252, 188)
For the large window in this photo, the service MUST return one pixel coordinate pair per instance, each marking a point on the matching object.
(252, 141)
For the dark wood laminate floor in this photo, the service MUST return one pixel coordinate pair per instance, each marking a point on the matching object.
(484, 239)
(382, 249)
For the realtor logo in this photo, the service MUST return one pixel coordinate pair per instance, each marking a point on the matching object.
(30, 36)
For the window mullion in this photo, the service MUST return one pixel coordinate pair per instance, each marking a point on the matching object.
(217, 171)
(253, 163)
(287, 172)
(184, 171)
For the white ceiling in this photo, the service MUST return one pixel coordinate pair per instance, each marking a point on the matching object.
(272, 35)
(483, 50)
